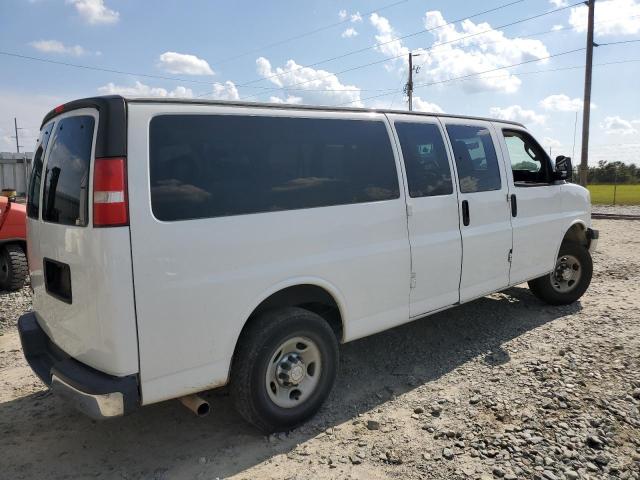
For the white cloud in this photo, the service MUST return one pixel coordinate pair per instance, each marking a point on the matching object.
(321, 87)
(556, 28)
(386, 36)
(55, 46)
(95, 12)
(559, 3)
(290, 99)
(562, 103)
(349, 33)
(182, 63)
(421, 105)
(142, 90)
(487, 50)
(612, 17)
(618, 126)
(353, 18)
(551, 142)
(452, 56)
(226, 91)
(518, 114)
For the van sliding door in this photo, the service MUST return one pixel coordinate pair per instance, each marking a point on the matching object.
(432, 205)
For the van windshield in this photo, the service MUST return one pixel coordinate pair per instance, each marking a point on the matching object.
(66, 177)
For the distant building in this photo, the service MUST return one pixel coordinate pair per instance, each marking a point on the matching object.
(14, 171)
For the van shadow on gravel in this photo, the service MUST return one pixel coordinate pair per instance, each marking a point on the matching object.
(42, 436)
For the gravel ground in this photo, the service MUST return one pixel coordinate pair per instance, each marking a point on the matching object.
(503, 387)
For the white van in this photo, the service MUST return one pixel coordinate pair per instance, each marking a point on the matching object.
(177, 246)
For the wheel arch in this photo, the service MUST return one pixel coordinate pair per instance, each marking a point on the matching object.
(577, 232)
(14, 241)
(313, 294)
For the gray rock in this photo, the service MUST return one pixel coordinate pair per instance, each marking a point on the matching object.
(436, 410)
(595, 442)
(447, 453)
(498, 472)
(373, 425)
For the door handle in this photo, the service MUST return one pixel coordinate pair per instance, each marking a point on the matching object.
(514, 206)
(465, 213)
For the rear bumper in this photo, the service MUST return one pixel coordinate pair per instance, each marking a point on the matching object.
(94, 393)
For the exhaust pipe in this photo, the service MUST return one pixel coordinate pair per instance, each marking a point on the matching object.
(196, 404)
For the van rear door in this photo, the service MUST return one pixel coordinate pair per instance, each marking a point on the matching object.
(81, 274)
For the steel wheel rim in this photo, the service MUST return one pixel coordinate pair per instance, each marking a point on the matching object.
(567, 274)
(290, 387)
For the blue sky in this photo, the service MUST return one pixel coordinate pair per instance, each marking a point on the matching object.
(244, 50)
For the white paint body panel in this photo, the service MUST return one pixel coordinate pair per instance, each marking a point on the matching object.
(99, 327)
(486, 241)
(436, 245)
(198, 281)
(538, 223)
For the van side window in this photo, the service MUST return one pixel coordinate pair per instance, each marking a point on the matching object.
(218, 165)
(425, 159)
(66, 177)
(476, 160)
(33, 193)
(529, 162)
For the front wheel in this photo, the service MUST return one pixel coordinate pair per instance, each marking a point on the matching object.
(570, 277)
(284, 368)
(13, 267)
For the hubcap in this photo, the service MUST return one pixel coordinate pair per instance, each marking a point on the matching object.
(567, 274)
(293, 372)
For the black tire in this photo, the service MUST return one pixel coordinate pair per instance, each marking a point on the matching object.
(542, 287)
(252, 358)
(13, 267)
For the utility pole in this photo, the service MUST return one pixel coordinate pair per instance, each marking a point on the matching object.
(586, 106)
(15, 124)
(409, 86)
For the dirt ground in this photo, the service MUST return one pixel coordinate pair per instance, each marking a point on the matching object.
(503, 387)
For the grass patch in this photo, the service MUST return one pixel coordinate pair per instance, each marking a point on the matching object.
(625, 194)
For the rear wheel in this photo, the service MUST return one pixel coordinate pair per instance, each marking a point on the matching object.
(284, 368)
(570, 278)
(13, 267)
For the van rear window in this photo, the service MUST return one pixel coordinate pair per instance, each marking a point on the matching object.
(218, 165)
(33, 194)
(66, 178)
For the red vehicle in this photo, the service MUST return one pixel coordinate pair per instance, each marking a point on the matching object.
(13, 244)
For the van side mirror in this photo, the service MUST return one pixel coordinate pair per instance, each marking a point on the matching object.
(564, 169)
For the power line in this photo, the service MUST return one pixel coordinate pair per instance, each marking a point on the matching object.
(617, 43)
(306, 34)
(559, 69)
(403, 54)
(376, 45)
(420, 85)
(101, 69)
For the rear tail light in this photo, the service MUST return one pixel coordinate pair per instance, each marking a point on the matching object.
(110, 203)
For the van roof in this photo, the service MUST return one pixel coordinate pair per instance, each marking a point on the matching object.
(108, 101)
(288, 106)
